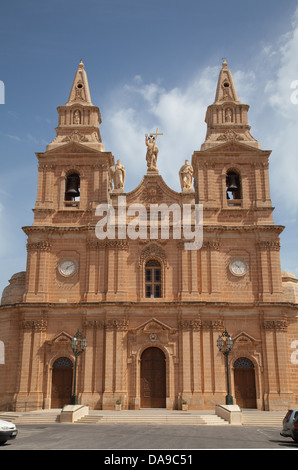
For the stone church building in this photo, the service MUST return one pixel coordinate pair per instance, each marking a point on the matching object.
(150, 309)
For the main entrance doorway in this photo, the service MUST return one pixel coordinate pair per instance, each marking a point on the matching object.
(61, 382)
(153, 379)
(245, 386)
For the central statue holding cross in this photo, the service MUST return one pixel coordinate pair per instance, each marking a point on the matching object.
(152, 151)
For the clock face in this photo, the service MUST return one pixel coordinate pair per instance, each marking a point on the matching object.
(238, 267)
(67, 267)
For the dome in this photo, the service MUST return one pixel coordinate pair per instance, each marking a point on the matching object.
(290, 287)
(13, 293)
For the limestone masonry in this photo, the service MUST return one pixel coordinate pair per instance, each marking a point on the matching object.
(151, 310)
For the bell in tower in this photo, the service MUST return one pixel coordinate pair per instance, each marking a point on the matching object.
(233, 185)
(72, 187)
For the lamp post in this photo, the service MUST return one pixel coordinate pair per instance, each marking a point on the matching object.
(225, 344)
(78, 345)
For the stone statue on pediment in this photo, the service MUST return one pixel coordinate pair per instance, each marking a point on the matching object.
(186, 174)
(152, 151)
(118, 173)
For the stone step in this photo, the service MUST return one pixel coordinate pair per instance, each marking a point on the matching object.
(263, 418)
(154, 419)
(32, 418)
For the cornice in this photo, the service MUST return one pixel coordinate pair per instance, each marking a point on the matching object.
(206, 228)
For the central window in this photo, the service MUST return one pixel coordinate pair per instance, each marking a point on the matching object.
(153, 279)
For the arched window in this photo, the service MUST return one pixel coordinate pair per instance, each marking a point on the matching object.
(233, 186)
(153, 279)
(72, 187)
(63, 363)
(243, 363)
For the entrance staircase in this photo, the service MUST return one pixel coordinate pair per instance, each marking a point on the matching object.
(152, 416)
(147, 416)
(263, 418)
(51, 416)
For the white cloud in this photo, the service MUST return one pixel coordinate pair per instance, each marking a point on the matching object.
(139, 108)
(281, 119)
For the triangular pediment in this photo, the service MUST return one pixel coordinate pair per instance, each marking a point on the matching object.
(154, 326)
(61, 338)
(234, 146)
(71, 148)
(153, 190)
(244, 339)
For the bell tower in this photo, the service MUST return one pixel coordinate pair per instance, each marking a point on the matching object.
(79, 119)
(231, 179)
(73, 178)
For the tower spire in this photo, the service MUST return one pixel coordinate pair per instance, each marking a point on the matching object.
(226, 89)
(80, 92)
(226, 118)
(79, 119)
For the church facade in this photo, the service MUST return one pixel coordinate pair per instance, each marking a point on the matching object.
(151, 304)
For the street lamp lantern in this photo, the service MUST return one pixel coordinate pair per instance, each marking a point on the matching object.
(78, 345)
(225, 345)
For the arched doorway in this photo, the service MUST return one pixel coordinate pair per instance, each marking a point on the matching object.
(244, 381)
(153, 378)
(61, 382)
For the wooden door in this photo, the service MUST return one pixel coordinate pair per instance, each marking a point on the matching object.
(61, 383)
(153, 379)
(245, 387)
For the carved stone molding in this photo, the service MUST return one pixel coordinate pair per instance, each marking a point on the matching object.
(151, 251)
(280, 325)
(188, 324)
(216, 325)
(213, 244)
(269, 245)
(229, 136)
(75, 136)
(103, 244)
(152, 194)
(94, 324)
(36, 325)
(41, 246)
(115, 324)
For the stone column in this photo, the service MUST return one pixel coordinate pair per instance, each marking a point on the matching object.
(115, 362)
(37, 268)
(277, 364)
(94, 363)
(30, 395)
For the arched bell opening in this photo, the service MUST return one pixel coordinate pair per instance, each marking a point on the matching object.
(233, 186)
(72, 187)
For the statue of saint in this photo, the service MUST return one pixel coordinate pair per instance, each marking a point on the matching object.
(77, 117)
(117, 173)
(152, 152)
(186, 173)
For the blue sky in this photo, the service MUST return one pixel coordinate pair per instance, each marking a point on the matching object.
(149, 64)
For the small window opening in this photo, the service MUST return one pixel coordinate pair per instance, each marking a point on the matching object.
(153, 279)
(233, 186)
(72, 189)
